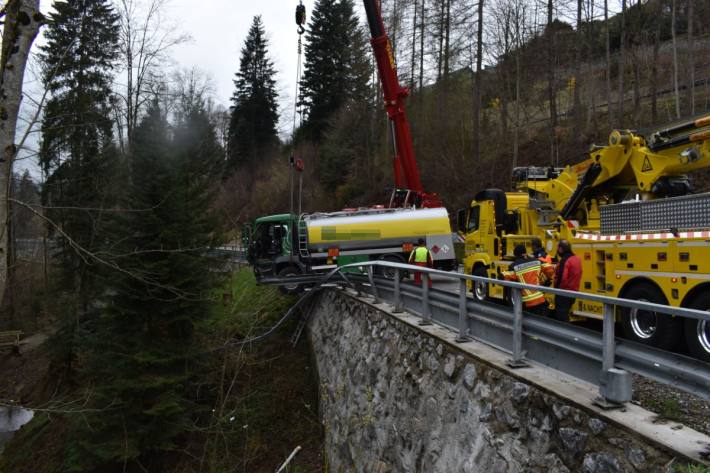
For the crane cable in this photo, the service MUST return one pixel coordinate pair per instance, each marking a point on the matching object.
(300, 21)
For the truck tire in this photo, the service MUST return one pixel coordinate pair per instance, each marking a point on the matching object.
(389, 272)
(480, 289)
(697, 332)
(291, 289)
(647, 327)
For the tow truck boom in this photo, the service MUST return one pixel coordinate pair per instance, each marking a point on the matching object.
(406, 172)
(654, 166)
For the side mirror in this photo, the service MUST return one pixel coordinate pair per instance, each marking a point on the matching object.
(461, 220)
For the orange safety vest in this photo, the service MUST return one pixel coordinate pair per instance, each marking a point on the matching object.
(547, 270)
(528, 273)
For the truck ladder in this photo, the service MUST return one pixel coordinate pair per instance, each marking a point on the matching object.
(302, 230)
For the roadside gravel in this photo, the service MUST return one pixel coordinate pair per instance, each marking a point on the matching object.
(672, 405)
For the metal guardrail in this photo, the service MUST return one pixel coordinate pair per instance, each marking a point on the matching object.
(600, 359)
(231, 252)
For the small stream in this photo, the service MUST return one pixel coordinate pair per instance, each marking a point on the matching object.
(11, 420)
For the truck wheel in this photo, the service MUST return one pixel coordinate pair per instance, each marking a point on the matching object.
(290, 271)
(648, 327)
(697, 332)
(480, 289)
(390, 272)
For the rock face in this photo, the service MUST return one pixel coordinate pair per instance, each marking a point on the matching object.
(393, 399)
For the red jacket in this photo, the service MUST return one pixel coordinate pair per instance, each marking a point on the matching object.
(571, 269)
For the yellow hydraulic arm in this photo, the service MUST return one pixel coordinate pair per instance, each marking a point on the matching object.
(655, 167)
(641, 164)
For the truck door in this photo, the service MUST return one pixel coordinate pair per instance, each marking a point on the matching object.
(269, 241)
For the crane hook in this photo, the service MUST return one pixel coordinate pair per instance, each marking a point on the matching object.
(301, 18)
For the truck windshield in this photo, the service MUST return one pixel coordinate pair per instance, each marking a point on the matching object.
(473, 219)
(270, 238)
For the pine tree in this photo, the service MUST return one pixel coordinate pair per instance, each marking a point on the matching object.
(141, 348)
(337, 70)
(24, 221)
(77, 142)
(252, 127)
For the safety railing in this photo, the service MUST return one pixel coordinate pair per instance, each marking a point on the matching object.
(583, 353)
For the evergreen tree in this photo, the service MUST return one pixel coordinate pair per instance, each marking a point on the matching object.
(337, 70)
(24, 222)
(252, 126)
(77, 143)
(141, 347)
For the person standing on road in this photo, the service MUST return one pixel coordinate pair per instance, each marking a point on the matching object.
(421, 256)
(547, 271)
(568, 275)
(527, 270)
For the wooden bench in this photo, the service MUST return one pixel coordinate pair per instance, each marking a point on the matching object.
(11, 339)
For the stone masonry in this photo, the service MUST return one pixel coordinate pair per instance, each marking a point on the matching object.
(393, 399)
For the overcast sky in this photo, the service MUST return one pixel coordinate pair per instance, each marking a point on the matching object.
(218, 29)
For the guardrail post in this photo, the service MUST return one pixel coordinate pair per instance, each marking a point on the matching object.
(397, 292)
(426, 308)
(463, 313)
(609, 344)
(614, 384)
(372, 284)
(518, 354)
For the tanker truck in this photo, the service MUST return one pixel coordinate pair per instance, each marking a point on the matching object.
(289, 244)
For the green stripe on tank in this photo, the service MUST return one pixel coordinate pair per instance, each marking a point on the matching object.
(331, 234)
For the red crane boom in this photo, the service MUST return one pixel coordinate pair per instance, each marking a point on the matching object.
(406, 173)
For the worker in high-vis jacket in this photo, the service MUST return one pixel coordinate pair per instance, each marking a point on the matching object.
(527, 270)
(421, 256)
(547, 271)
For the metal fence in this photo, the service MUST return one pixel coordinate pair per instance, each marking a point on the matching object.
(598, 358)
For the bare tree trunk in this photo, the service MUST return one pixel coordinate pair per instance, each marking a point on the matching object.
(551, 88)
(447, 40)
(637, 91)
(22, 23)
(421, 48)
(654, 64)
(516, 135)
(414, 45)
(675, 61)
(440, 26)
(477, 87)
(622, 66)
(592, 119)
(145, 38)
(608, 62)
(578, 72)
(691, 60)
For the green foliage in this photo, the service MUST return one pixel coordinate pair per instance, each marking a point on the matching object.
(337, 69)
(77, 152)
(691, 468)
(667, 409)
(252, 125)
(263, 396)
(141, 354)
(25, 223)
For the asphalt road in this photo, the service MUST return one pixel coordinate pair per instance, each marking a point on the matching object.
(441, 283)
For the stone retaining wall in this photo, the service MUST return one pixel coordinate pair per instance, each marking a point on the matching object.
(394, 399)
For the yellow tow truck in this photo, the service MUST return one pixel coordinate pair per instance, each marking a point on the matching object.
(630, 215)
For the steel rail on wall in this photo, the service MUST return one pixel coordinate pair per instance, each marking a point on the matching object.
(597, 358)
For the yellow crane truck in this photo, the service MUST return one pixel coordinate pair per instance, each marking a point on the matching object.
(631, 218)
